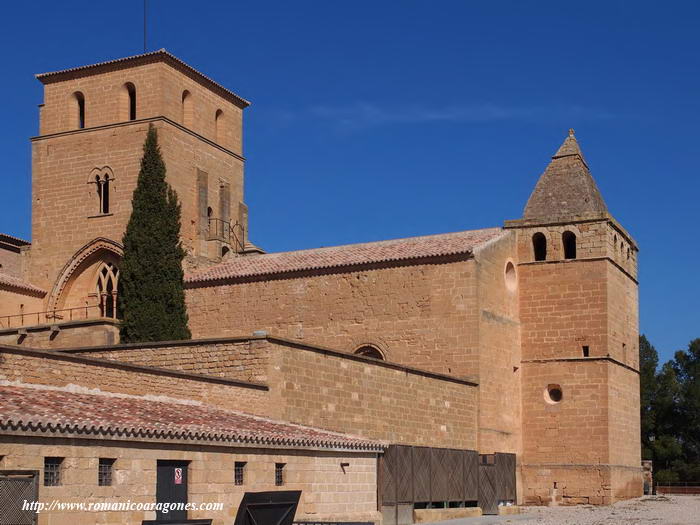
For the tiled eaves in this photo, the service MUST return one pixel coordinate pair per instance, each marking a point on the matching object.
(289, 343)
(145, 58)
(340, 259)
(57, 412)
(11, 239)
(106, 363)
(16, 284)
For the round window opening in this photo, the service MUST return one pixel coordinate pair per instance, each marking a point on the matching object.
(511, 277)
(553, 394)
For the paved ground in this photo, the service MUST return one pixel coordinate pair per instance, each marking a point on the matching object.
(649, 510)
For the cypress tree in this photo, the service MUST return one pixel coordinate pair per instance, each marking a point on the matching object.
(151, 292)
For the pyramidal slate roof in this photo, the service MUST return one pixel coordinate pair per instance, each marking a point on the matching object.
(65, 413)
(566, 189)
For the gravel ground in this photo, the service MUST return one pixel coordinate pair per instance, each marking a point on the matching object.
(649, 510)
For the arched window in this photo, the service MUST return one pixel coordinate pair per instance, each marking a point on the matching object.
(224, 251)
(187, 114)
(219, 126)
(539, 246)
(78, 117)
(128, 102)
(102, 182)
(107, 280)
(568, 239)
(369, 351)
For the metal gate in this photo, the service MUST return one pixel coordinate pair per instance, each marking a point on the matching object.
(16, 487)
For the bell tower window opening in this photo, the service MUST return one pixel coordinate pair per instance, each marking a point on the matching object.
(539, 246)
(219, 126)
(107, 280)
(79, 110)
(186, 117)
(568, 239)
(128, 102)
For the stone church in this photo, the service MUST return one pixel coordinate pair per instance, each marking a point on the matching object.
(391, 382)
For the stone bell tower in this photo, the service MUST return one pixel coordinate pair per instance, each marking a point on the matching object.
(579, 329)
(86, 159)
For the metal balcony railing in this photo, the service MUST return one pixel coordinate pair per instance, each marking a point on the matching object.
(51, 316)
(224, 231)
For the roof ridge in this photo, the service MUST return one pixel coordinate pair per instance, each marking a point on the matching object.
(383, 251)
(46, 77)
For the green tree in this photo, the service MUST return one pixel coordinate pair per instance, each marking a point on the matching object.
(151, 292)
(648, 363)
(686, 365)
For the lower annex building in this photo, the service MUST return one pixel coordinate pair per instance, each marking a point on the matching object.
(385, 380)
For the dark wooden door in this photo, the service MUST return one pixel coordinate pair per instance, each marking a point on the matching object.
(171, 488)
(488, 487)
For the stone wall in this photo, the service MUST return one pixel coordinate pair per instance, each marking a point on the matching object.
(499, 344)
(243, 360)
(58, 335)
(372, 399)
(13, 303)
(159, 89)
(51, 369)
(329, 492)
(328, 389)
(423, 315)
(563, 307)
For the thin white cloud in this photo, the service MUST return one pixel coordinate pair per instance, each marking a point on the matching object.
(361, 115)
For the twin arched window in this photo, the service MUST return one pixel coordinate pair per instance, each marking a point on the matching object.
(539, 245)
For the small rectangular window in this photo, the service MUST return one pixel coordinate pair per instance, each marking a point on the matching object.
(104, 472)
(279, 474)
(52, 472)
(586, 351)
(239, 472)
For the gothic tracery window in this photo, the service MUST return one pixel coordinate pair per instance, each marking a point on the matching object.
(107, 280)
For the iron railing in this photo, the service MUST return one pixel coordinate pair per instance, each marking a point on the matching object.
(51, 316)
(224, 231)
(678, 487)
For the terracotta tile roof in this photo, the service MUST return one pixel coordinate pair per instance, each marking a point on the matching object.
(154, 56)
(49, 409)
(11, 239)
(15, 282)
(350, 255)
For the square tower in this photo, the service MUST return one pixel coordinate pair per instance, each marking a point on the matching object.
(579, 334)
(86, 160)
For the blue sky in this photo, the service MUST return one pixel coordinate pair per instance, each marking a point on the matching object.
(374, 120)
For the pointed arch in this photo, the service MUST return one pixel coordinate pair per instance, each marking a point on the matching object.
(93, 253)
